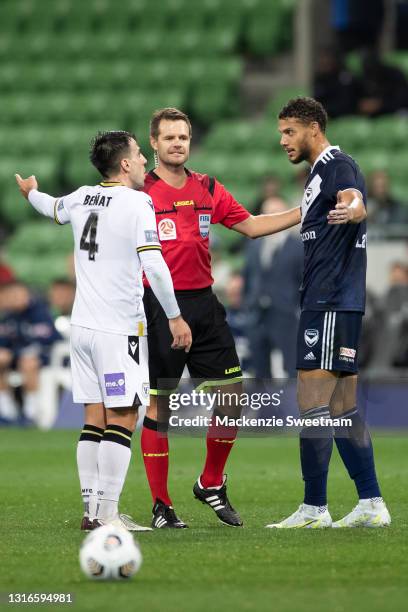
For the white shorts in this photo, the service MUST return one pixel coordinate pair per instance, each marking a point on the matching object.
(109, 368)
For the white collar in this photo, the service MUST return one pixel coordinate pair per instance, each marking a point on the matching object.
(323, 153)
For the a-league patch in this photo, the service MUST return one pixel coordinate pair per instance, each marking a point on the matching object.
(133, 348)
(204, 222)
(115, 384)
(311, 337)
(151, 236)
(145, 390)
(167, 229)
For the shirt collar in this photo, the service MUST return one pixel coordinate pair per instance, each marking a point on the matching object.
(323, 153)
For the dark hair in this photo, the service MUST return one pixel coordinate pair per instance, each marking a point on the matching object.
(107, 149)
(170, 114)
(305, 110)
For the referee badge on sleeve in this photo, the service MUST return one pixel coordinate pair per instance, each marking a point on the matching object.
(133, 348)
(204, 224)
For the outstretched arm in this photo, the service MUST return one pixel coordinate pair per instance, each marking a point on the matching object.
(349, 208)
(262, 225)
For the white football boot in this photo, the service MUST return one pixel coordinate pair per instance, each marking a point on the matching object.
(309, 517)
(368, 513)
(121, 520)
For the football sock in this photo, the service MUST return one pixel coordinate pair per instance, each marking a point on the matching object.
(8, 407)
(316, 445)
(113, 462)
(30, 405)
(356, 450)
(155, 451)
(87, 461)
(220, 440)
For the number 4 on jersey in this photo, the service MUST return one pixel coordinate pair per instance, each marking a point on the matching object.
(90, 228)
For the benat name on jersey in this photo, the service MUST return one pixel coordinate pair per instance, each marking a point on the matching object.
(97, 200)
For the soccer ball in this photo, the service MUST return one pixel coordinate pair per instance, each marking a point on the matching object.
(110, 553)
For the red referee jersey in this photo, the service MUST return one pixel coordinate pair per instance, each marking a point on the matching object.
(183, 218)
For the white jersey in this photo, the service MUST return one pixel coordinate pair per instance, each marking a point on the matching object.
(111, 224)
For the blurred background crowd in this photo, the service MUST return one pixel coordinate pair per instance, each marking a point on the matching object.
(69, 69)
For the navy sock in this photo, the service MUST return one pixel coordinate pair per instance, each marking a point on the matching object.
(316, 445)
(356, 450)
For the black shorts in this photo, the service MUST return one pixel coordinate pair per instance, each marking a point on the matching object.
(212, 357)
(328, 341)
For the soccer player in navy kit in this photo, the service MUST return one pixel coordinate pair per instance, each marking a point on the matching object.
(332, 301)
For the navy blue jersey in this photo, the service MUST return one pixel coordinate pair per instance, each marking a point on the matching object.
(334, 275)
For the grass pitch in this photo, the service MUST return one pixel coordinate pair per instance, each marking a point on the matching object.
(208, 566)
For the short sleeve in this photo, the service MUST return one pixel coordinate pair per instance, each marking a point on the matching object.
(146, 230)
(340, 175)
(227, 210)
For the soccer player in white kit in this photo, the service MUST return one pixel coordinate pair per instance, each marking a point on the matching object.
(115, 238)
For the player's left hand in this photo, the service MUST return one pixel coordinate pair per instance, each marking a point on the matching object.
(26, 185)
(342, 213)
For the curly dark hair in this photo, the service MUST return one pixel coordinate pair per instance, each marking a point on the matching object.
(305, 110)
(108, 148)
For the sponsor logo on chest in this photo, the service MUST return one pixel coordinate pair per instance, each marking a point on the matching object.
(308, 236)
(183, 203)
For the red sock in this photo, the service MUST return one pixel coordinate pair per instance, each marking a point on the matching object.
(155, 451)
(220, 440)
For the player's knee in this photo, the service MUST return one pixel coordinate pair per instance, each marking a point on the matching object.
(95, 415)
(151, 411)
(315, 388)
(126, 418)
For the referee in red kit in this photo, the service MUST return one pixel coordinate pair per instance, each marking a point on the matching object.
(186, 204)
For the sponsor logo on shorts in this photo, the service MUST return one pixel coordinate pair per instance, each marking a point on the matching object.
(232, 370)
(167, 229)
(310, 357)
(115, 383)
(151, 236)
(60, 205)
(204, 225)
(347, 354)
(311, 337)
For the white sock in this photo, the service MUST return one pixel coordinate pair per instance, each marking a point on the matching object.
(87, 461)
(113, 462)
(8, 407)
(30, 405)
